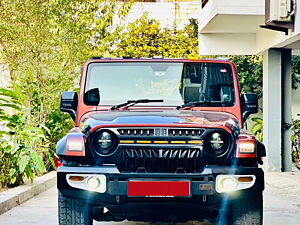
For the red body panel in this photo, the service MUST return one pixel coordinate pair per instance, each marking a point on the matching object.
(159, 188)
(83, 109)
(57, 163)
(78, 140)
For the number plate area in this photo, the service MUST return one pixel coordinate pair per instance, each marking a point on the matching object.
(158, 188)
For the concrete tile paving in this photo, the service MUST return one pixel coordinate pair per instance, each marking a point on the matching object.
(281, 206)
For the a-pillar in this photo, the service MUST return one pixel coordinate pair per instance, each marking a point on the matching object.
(277, 108)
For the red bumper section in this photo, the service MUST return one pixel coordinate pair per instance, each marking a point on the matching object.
(159, 188)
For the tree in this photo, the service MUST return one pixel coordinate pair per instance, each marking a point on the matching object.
(295, 71)
(250, 72)
(250, 69)
(145, 38)
(43, 42)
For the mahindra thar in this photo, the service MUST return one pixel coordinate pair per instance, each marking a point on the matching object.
(159, 140)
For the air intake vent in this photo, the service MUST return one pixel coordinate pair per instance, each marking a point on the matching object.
(185, 132)
(136, 132)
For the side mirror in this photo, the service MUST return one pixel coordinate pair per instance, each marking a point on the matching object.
(69, 102)
(92, 97)
(249, 105)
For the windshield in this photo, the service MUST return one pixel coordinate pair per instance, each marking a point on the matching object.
(175, 83)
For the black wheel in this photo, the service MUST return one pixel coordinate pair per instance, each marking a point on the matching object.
(73, 211)
(247, 212)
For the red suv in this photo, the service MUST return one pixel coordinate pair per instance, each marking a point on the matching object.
(159, 140)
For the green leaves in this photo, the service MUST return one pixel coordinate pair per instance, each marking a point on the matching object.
(250, 73)
(12, 172)
(13, 106)
(257, 128)
(14, 148)
(145, 38)
(296, 141)
(37, 162)
(43, 45)
(23, 162)
(21, 147)
(9, 99)
(295, 71)
(8, 93)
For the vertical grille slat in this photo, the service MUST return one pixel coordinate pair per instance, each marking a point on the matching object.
(160, 160)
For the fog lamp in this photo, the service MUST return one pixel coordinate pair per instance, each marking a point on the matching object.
(93, 183)
(226, 184)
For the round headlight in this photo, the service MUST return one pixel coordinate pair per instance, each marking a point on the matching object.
(105, 140)
(216, 141)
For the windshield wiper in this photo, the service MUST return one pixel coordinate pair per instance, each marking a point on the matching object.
(201, 103)
(130, 103)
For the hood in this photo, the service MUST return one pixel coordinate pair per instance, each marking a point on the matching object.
(173, 118)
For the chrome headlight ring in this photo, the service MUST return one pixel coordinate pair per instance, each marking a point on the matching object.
(105, 142)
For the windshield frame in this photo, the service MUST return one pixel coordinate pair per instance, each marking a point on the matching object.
(98, 61)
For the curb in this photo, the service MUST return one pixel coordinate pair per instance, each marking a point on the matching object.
(16, 196)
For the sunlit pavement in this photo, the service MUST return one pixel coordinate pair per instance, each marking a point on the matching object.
(281, 206)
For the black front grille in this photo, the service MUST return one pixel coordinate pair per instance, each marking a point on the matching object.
(136, 131)
(185, 132)
(161, 132)
(162, 153)
(181, 160)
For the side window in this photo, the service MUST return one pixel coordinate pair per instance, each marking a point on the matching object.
(191, 82)
(211, 82)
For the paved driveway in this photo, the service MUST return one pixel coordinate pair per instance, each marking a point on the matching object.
(281, 205)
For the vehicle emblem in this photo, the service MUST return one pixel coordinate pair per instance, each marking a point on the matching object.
(161, 132)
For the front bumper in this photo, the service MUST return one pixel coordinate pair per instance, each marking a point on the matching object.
(202, 184)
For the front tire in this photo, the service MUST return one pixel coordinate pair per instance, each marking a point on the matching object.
(72, 211)
(247, 212)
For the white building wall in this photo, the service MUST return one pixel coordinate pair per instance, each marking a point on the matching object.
(168, 13)
(229, 8)
(4, 76)
(231, 44)
(297, 17)
(266, 39)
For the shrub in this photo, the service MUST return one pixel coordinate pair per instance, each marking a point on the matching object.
(296, 141)
(257, 128)
(20, 144)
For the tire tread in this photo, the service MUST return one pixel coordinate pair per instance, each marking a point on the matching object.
(72, 211)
